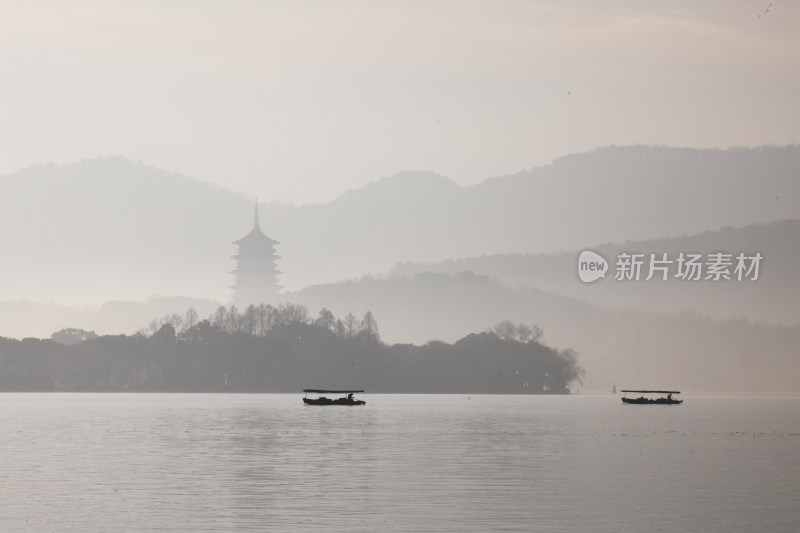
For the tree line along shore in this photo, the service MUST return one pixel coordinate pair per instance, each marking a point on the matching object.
(284, 349)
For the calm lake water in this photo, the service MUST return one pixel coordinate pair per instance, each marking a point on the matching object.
(194, 462)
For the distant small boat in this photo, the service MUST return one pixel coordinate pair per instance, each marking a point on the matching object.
(644, 400)
(346, 399)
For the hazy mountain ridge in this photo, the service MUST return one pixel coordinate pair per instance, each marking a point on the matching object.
(771, 298)
(115, 229)
(615, 194)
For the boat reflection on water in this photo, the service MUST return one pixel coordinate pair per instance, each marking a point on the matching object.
(644, 400)
(345, 399)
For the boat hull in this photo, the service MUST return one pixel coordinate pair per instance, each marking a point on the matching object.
(648, 401)
(331, 401)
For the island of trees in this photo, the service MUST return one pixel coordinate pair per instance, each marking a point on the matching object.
(284, 349)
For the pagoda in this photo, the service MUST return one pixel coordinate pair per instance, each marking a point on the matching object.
(256, 277)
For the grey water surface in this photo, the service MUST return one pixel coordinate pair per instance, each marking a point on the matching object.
(196, 462)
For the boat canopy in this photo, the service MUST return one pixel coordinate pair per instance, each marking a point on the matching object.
(655, 391)
(321, 391)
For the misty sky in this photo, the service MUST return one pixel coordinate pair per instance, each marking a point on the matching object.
(299, 101)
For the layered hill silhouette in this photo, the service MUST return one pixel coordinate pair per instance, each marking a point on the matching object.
(772, 297)
(112, 228)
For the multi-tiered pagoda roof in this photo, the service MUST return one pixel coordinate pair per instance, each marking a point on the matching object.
(256, 274)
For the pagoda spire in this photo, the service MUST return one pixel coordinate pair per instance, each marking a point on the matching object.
(255, 216)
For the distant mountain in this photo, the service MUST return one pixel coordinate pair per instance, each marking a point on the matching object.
(773, 297)
(641, 192)
(111, 228)
(609, 195)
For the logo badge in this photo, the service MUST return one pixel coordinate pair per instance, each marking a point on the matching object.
(591, 266)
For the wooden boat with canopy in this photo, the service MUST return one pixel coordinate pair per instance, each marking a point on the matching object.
(649, 400)
(345, 397)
